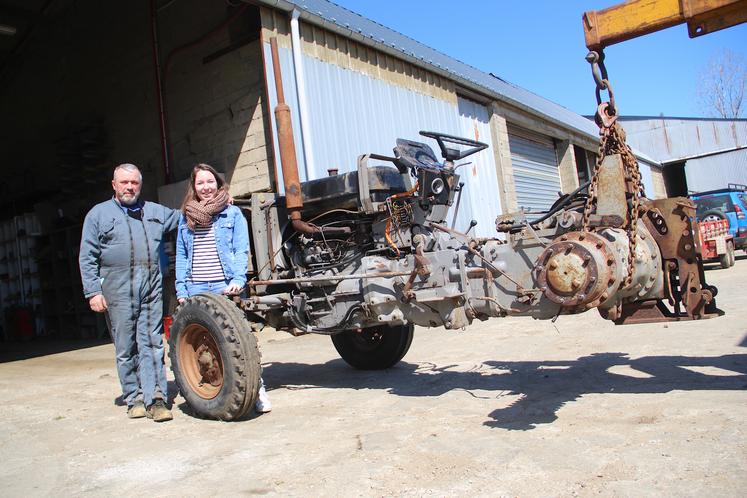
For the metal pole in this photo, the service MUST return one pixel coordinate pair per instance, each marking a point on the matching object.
(456, 208)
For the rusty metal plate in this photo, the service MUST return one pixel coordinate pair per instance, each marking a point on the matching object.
(670, 223)
(610, 190)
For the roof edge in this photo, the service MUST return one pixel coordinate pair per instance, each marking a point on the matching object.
(704, 154)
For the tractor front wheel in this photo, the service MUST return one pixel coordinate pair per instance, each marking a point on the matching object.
(214, 357)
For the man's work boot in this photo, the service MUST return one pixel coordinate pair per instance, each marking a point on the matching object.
(158, 411)
(136, 410)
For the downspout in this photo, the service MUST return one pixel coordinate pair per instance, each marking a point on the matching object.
(308, 149)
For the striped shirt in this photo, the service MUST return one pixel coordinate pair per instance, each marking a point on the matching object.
(206, 265)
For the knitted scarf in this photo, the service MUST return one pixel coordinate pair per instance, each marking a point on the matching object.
(202, 212)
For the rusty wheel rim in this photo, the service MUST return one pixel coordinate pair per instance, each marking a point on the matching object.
(200, 361)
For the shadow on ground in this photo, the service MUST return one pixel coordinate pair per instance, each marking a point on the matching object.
(15, 351)
(541, 387)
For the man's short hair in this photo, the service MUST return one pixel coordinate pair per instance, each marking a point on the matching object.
(127, 167)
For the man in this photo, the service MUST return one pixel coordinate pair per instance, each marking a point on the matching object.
(119, 266)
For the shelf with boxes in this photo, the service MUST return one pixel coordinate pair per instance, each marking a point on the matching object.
(20, 283)
(41, 294)
(65, 310)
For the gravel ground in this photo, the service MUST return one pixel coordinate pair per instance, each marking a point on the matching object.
(510, 407)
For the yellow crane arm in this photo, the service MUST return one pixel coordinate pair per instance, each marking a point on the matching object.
(640, 17)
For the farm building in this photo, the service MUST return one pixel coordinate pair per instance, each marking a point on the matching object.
(85, 85)
(697, 154)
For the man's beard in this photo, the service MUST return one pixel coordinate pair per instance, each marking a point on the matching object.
(128, 199)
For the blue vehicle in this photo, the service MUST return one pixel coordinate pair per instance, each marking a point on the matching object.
(725, 204)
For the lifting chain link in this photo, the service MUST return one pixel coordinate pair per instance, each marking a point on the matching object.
(612, 141)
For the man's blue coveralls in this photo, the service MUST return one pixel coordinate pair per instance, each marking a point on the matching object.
(119, 257)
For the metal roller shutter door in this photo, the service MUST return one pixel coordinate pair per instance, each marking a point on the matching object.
(535, 165)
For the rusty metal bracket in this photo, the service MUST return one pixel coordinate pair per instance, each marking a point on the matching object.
(421, 269)
(670, 223)
(644, 312)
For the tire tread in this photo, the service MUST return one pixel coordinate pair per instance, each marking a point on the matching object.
(241, 356)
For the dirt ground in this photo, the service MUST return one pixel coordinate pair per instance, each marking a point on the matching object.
(510, 407)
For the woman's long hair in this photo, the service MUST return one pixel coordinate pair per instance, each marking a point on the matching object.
(191, 194)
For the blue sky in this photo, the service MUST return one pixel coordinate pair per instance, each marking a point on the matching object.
(539, 45)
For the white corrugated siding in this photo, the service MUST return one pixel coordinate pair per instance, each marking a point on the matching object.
(535, 164)
(480, 199)
(714, 172)
(668, 139)
(353, 114)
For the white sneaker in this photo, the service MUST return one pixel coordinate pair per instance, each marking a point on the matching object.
(263, 404)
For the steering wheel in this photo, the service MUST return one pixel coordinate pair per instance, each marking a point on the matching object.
(454, 154)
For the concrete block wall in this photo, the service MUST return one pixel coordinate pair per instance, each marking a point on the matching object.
(502, 154)
(216, 109)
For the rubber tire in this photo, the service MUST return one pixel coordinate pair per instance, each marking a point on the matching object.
(242, 365)
(362, 351)
(713, 212)
(728, 259)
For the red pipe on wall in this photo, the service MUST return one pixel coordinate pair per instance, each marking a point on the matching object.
(159, 93)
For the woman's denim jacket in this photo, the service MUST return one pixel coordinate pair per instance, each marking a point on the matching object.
(232, 241)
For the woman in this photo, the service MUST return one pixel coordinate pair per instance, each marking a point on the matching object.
(212, 246)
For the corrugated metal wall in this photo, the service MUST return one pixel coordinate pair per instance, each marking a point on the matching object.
(480, 199)
(353, 114)
(713, 172)
(666, 139)
(535, 165)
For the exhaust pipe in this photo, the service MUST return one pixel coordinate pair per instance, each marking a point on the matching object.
(288, 160)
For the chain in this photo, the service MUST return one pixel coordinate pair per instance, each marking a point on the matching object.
(612, 141)
(592, 198)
